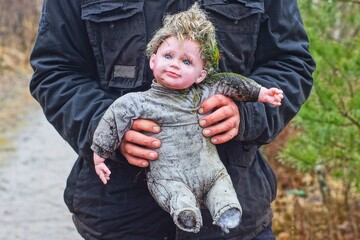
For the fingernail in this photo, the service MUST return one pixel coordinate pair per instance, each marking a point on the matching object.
(214, 140)
(156, 128)
(156, 143)
(201, 110)
(206, 132)
(144, 164)
(202, 123)
(152, 155)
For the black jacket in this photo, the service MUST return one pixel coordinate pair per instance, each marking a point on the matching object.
(89, 52)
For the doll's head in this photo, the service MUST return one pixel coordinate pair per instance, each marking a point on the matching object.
(189, 25)
(178, 65)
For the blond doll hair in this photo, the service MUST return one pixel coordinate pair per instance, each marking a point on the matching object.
(194, 25)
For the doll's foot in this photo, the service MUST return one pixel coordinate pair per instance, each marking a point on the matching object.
(229, 219)
(187, 219)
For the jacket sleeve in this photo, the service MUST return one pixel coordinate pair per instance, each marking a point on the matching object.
(65, 79)
(282, 59)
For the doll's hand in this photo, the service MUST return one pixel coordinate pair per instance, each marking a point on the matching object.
(135, 145)
(222, 125)
(101, 169)
(272, 96)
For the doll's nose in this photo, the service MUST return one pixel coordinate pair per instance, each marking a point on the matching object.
(175, 63)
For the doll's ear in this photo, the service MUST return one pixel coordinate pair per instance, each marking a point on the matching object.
(152, 61)
(201, 76)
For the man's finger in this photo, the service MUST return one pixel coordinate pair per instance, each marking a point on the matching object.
(141, 139)
(217, 116)
(145, 125)
(223, 138)
(222, 128)
(212, 102)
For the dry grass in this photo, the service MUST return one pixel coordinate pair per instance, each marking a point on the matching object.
(15, 98)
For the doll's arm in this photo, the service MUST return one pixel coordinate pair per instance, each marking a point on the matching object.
(117, 119)
(244, 89)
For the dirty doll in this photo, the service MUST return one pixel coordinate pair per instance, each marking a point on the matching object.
(188, 172)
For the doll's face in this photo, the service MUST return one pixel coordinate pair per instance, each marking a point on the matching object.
(178, 65)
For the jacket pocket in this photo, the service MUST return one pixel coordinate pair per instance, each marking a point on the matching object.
(117, 34)
(237, 24)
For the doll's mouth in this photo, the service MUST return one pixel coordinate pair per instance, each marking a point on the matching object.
(172, 74)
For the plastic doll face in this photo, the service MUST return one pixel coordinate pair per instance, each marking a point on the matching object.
(176, 65)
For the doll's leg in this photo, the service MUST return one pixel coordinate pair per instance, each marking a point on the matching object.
(177, 199)
(223, 203)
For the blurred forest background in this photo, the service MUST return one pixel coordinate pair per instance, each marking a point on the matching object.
(316, 158)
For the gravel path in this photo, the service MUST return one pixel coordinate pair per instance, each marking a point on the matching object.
(33, 173)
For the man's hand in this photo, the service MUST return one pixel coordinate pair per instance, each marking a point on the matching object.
(137, 147)
(222, 125)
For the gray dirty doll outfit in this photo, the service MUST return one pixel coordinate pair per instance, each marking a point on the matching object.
(188, 172)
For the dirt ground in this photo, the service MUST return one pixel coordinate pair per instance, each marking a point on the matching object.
(34, 165)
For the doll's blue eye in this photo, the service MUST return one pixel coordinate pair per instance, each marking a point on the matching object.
(167, 57)
(187, 62)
